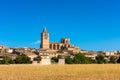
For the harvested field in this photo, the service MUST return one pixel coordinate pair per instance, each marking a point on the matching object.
(60, 72)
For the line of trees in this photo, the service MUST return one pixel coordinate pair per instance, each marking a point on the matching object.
(75, 59)
(20, 59)
(81, 59)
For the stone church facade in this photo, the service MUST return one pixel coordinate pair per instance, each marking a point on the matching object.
(56, 46)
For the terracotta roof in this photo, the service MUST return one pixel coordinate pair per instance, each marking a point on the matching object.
(55, 43)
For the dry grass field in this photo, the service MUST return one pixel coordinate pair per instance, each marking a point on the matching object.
(60, 72)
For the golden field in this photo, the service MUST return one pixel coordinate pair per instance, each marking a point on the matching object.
(60, 72)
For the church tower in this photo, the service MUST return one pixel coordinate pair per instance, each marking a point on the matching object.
(44, 39)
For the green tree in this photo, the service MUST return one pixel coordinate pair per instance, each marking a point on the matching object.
(118, 61)
(68, 60)
(81, 59)
(100, 59)
(23, 59)
(36, 52)
(54, 59)
(93, 61)
(7, 60)
(88, 60)
(38, 59)
(60, 51)
(106, 61)
(113, 59)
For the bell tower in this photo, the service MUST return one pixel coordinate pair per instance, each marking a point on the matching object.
(44, 39)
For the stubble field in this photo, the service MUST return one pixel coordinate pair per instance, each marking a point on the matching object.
(60, 72)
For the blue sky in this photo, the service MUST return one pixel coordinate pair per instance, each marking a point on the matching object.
(91, 24)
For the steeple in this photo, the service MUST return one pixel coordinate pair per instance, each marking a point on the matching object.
(44, 39)
(45, 31)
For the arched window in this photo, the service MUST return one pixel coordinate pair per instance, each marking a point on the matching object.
(58, 47)
(50, 46)
(54, 46)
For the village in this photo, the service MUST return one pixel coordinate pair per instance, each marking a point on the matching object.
(49, 51)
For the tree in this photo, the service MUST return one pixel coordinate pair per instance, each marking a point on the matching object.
(68, 60)
(118, 61)
(60, 51)
(54, 59)
(36, 52)
(7, 60)
(38, 59)
(81, 59)
(106, 61)
(23, 59)
(113, 59)
(93, 61)
(100, 59)
(88, 60)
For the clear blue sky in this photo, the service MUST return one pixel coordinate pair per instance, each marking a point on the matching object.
(91, 24)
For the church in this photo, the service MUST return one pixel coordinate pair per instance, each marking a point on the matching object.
(64, 45)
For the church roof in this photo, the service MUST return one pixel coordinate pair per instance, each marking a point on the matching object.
(55, 43)
(45, 30)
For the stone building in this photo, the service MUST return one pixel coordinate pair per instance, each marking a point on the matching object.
(3, 49)
(56, 46)
(44, 39)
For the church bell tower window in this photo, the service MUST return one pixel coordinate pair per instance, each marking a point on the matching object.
(46, 36)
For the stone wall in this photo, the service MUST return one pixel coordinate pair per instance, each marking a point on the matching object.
(45, 61)
(61, 61)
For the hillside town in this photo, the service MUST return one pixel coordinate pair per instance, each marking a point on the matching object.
(49, 50)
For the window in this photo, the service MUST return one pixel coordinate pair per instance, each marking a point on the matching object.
(46, 36)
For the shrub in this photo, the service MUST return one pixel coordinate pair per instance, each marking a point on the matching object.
(23, 59)
(100, 59)
(68, 60)
(113, 59)
(38, 59)
(54, 59)
(118, 61)
(81, 59)
(7, 60)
